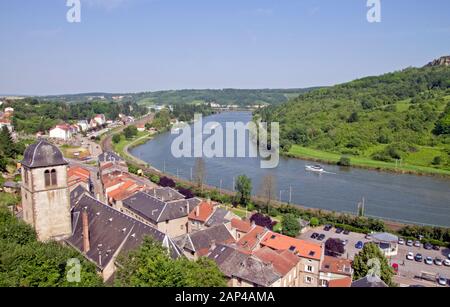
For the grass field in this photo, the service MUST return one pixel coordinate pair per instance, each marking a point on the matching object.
(414, 163)
(75, 152)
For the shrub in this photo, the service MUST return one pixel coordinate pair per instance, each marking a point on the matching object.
(344, 161)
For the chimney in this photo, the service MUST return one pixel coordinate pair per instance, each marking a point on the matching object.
(213, 245)
(197, 210)
(86, 245)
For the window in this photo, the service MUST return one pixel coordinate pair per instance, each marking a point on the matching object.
(53, 177)
(50, 178)
(309, 268)
(26, 175)
(308, 280)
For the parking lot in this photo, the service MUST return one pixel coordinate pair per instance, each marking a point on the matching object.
(409, 271)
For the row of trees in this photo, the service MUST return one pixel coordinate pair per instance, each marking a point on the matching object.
(9, 150)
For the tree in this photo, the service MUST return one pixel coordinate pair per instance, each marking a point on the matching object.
(267, 189)
(116, 138)
(334, 247)
(200, 172)
(151, 266)
(437, 160)
(314, 222)
(262, 220)
(167, 182)
(28, 263)
(244, 190)
(290, 225)
(344, 161)
(130, 132)
(364, 262)
(7, 146)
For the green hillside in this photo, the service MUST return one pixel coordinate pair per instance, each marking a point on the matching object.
(398, 120)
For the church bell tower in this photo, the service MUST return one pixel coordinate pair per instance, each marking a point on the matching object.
(45, 192)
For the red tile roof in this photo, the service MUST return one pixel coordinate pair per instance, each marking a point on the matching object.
(240, 225)
(78, 174)
(336, 266)
(252, 239)
(302, 248)
(340, 283)
(282, 262)
(202, 212)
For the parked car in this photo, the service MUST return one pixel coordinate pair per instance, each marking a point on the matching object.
(314, 235)
(447, 262)
(436, 248)
(428, 246)
(360, 245)
(409, 243)
(339, 230)
(345, 242)
(417, 243)
(346, 232)
(410, 256)
(438, 261)
(327, 227)
(429, 260)
(418, 257)
(401, 241)
(321, 237)
(442, 281)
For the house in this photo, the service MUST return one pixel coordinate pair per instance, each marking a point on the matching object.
(198, 217)
(251, 241)
(11, 187)
(170, 217)
(110, 157)
(285, 263)
(201, 243)
(220, 216)
(241, 227)
(62, 132)
(77, 175)
(9, 110)
(83, 124)
(369, 282)
(100, 119)
(335, 272)
(140, 127)
(310, 254)
(242, 269)
(388, 243)
(4, 122)
(102, 233)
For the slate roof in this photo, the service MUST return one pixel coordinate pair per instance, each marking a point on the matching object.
(385, 237)
(155, 210)
(76, 194)
(165, 194)
(369, 282)
(109, 156)
(236, 264)
(43, 154)
(201, 241)
(111, 232)
(218, 217)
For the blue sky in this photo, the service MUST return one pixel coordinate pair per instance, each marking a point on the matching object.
(139, 45)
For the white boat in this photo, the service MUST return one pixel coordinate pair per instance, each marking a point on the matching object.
(314, 168)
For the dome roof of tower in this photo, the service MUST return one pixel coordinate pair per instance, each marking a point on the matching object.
(43, 154)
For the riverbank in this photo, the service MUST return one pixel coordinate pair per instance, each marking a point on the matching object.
(299, 152)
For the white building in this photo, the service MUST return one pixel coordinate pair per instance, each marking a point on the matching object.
(83, 124)
(62, 132)
(9, 110)
(6, 123)
(100, 119)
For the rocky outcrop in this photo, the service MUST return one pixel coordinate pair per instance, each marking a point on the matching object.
(442, 61)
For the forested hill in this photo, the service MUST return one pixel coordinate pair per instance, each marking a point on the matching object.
(402, 115)
(241, 97)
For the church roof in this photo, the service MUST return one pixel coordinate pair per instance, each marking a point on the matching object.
(43, 154)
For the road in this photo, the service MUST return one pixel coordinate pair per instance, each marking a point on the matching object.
(106, 143)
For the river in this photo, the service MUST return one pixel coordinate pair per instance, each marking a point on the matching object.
(404, 198)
